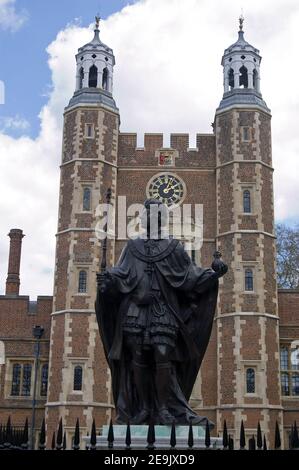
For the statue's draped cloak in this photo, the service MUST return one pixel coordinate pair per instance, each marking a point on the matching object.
(191, 294)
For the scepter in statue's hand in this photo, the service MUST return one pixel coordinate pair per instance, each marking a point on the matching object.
(218, 265)
(103, 277)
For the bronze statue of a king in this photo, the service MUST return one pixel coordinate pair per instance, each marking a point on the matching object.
(155, 312)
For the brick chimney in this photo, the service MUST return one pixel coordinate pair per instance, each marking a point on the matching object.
(13, 273)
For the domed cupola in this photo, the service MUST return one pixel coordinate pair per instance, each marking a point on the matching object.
(241, 68)
(94, 77)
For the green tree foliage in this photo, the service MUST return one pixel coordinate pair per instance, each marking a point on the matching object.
(287, 256)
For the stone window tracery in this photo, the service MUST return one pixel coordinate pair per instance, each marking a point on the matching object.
(289, 366)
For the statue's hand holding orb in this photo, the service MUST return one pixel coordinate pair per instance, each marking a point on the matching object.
(218, 265)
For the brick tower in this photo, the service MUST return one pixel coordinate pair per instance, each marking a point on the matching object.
(89, 158)
(247, 321)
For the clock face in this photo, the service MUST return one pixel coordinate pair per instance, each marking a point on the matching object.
(167, 188)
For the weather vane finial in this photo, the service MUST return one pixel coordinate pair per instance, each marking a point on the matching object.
(98, 19)
(241, 20)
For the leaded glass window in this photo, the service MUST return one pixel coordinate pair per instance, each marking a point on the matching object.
(248, 280)
(78, 374)
(250, 380)
(295, 384)
(16, 379)
(86, 199)
(44, 380)
(295, 358)
(247, 202)
(284, 358)
(285, 389)
(26, 383)
(82, 287)
(289, 364)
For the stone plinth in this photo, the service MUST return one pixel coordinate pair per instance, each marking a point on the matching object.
(162, 434)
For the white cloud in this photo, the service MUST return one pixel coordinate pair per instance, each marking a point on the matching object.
(16, 122)
(10, 19)
(168, 78)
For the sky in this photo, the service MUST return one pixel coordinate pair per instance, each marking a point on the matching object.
(168, 78)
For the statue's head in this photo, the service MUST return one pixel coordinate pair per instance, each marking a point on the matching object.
(154, 217)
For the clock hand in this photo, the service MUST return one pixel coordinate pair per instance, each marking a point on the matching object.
(168, 187)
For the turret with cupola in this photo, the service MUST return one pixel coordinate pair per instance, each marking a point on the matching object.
(241, 73)
(94, 73)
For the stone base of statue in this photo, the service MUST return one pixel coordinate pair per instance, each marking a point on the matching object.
(139, 435)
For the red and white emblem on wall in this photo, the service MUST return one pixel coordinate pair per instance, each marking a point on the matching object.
(166, 158)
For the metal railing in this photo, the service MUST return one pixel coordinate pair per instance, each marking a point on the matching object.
(17, 438)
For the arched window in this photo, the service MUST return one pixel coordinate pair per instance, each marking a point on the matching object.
(16, 380)
(105, 79)
(248, 280)
(255, 76)
(93, 77)
(243, 77)
(44, 380)
(250, 380)
(82, 282)
(81, 78)
(246, 201)
(78, 374)
(231, 79)
(86, 199)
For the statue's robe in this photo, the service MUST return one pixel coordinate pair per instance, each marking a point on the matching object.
(191, 294)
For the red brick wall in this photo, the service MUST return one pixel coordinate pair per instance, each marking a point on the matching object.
(16, 324)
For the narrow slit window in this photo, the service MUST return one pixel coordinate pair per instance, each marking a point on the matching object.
(248, 280)
(82, 288)
(89, 131)
(246, 201)
(246, 134)
(250, 380)
(87, 199)
(78, 375)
